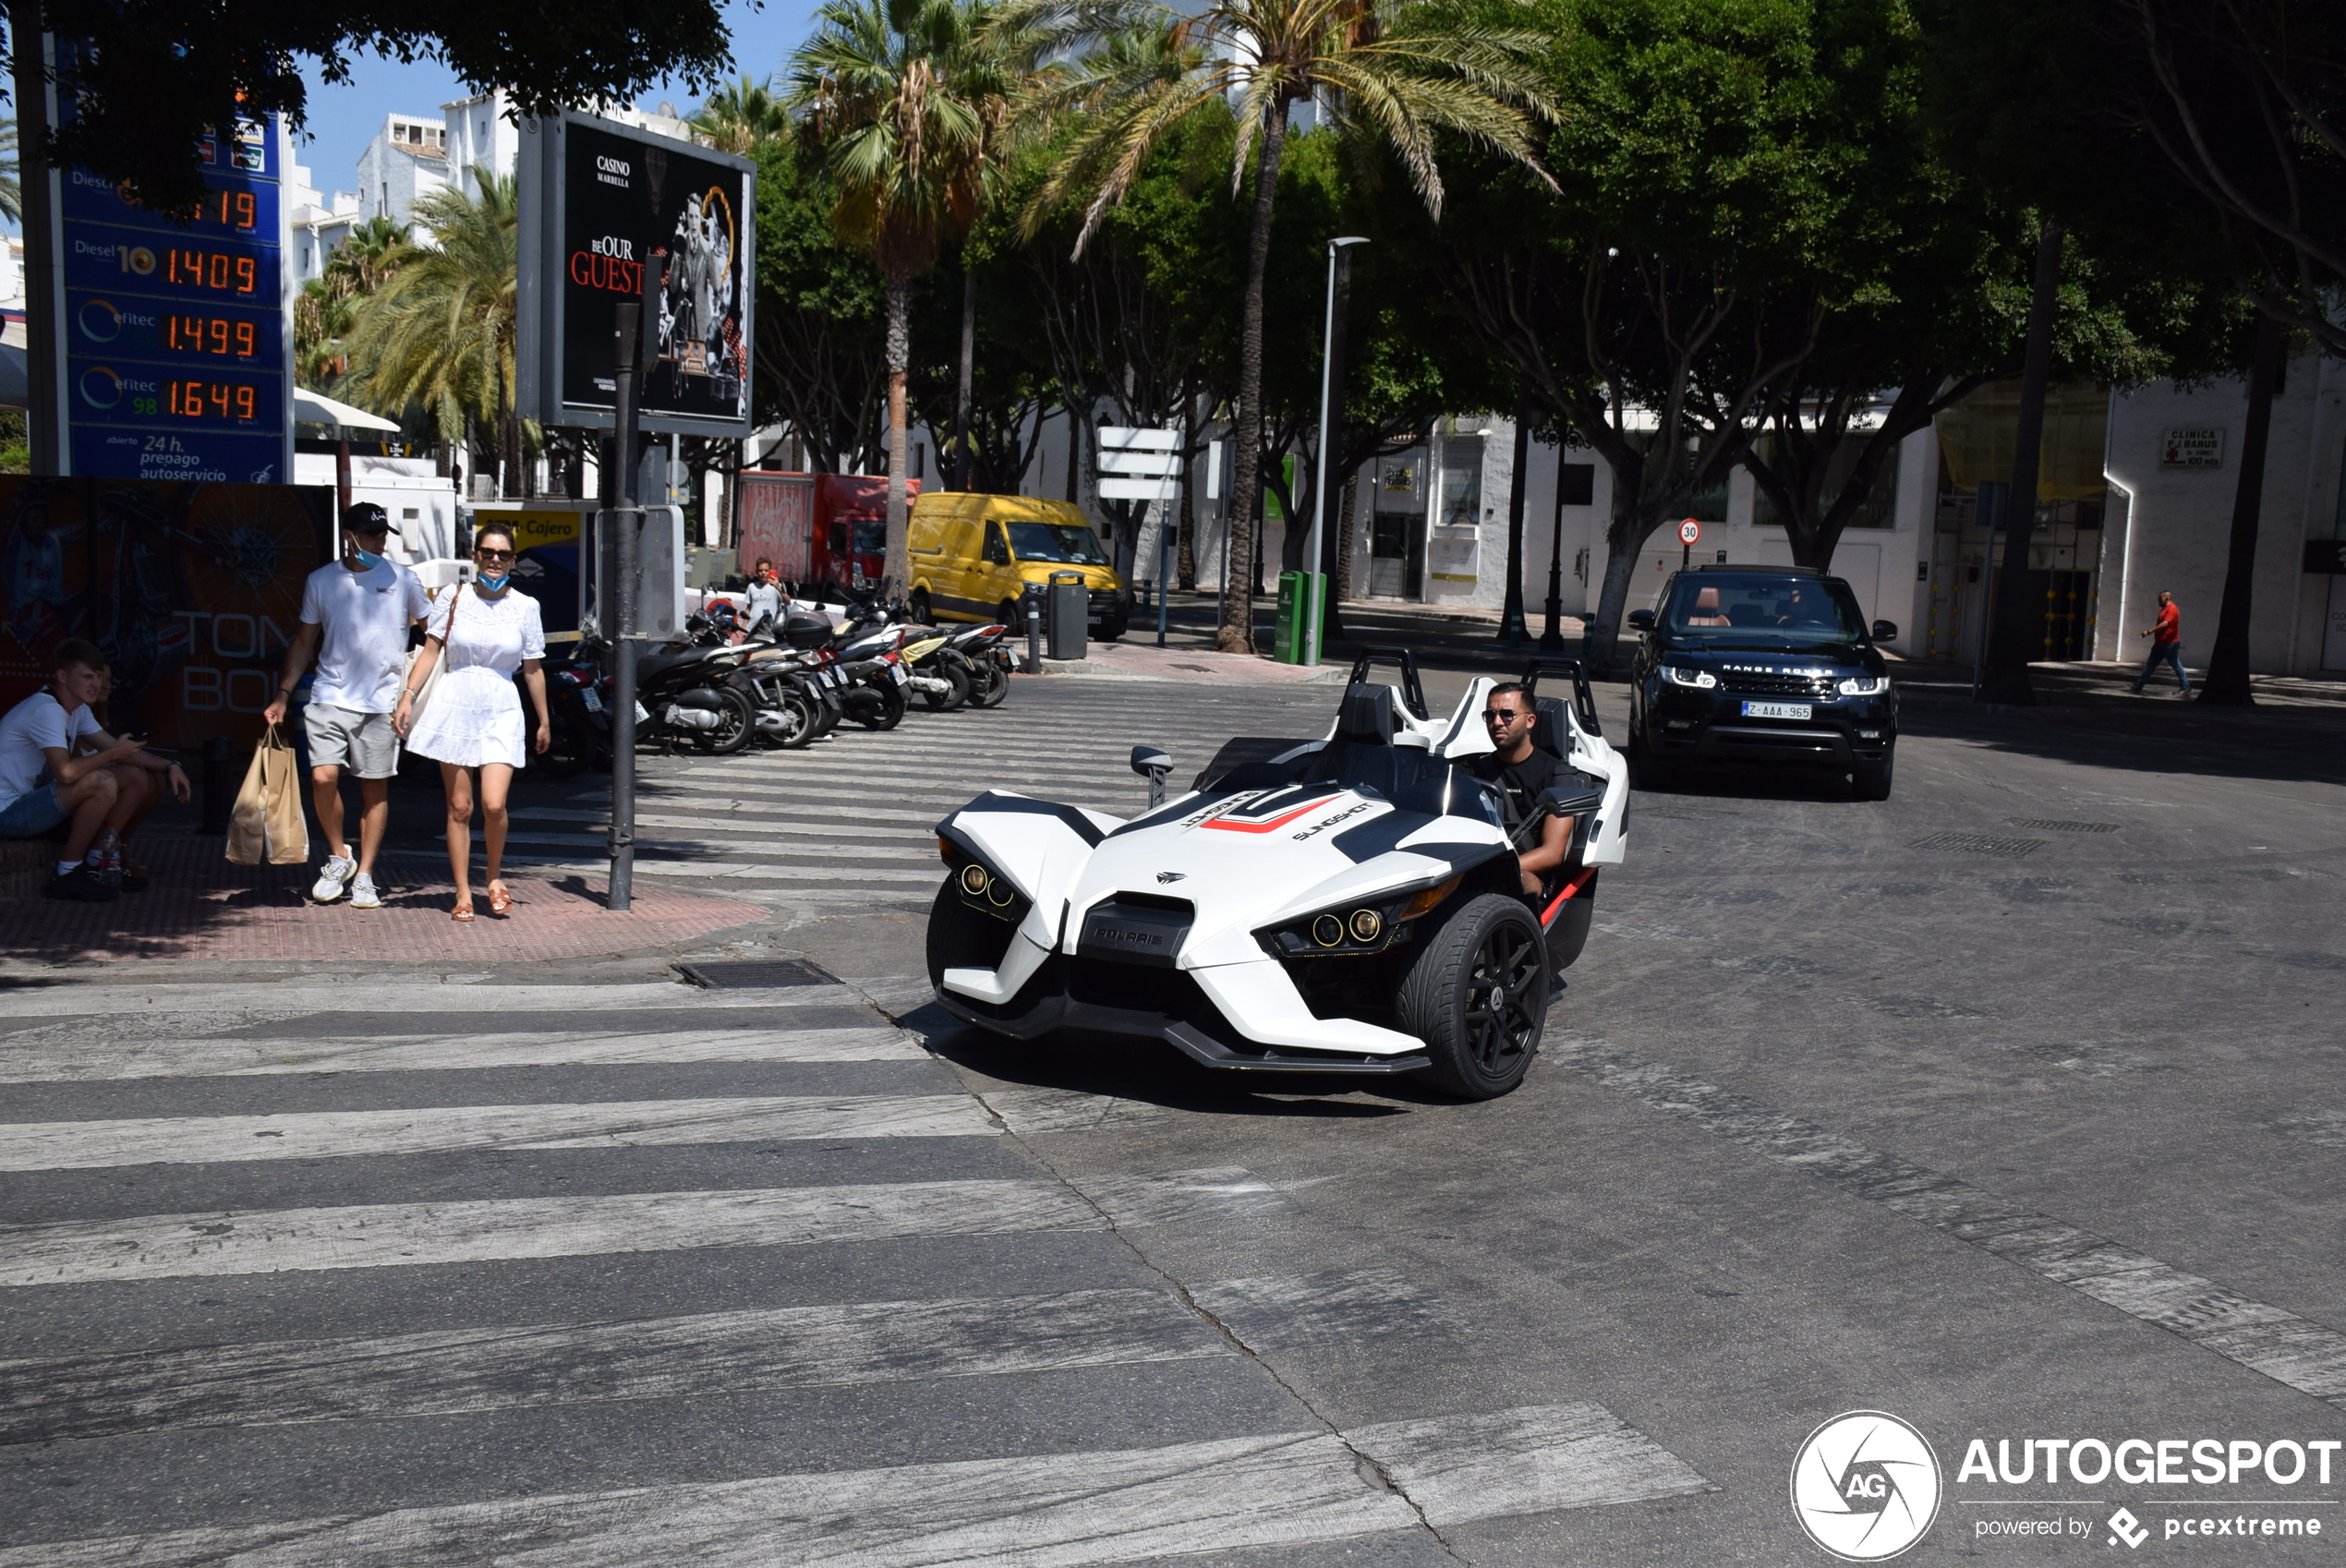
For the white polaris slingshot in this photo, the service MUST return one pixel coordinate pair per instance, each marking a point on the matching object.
(1346, 905)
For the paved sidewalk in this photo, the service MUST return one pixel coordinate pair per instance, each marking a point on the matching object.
(200, 907)
(1135, 660)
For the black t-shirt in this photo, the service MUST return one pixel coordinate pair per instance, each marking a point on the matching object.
(1519, 782)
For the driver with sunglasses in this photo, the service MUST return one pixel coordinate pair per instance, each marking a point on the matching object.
(1521, 771)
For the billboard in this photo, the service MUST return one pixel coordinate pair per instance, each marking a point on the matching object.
(192, 589)
(178, 357)
(611, 214)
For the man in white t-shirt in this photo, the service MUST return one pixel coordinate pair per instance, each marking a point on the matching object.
(58, 764)
(354, 615)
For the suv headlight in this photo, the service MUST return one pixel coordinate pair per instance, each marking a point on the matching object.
(1678, 675)
(1353, 929)
(1864, 686)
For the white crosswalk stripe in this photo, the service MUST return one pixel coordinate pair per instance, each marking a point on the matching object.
(238, 1216)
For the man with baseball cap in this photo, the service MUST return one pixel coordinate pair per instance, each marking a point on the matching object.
(354, 615)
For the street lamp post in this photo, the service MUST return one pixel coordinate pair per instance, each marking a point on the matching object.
(1331, 423)
(1552, 640)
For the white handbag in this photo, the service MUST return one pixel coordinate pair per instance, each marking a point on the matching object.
(440, 666)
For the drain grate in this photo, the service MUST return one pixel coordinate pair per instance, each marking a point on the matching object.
(757, 974)
(1980, 844)
(2050, 825)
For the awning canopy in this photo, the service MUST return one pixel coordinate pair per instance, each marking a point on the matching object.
(317, 408)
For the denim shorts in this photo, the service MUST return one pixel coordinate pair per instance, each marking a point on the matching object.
(31, 814)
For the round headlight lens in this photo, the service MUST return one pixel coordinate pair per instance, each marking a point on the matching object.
(1327, 931)
(972, 880)
(1367, 925)
(1000, 893)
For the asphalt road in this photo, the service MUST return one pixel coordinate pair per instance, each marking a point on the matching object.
(2009, 1107)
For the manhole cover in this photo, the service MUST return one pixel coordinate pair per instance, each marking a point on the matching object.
(1980, 844)
(757, 974)
(2048, 824)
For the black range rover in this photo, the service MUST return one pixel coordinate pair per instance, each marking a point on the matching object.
(1762, 664)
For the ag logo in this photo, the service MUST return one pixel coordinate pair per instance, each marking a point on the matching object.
(1865, 1486)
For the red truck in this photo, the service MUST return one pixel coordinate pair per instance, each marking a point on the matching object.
(816, 527)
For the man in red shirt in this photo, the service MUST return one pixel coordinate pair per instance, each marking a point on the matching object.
(2166, 636)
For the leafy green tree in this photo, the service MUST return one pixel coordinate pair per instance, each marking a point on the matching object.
(906, 98)
(158, 74)
(1395, 73)
(11, 188)
(438, 333)
(328, 304)
(736, 117)
(820, 365)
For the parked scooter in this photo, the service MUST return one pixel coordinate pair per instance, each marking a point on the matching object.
(683, 695)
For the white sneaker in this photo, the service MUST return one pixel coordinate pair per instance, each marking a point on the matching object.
(363, 895)
(337, 870)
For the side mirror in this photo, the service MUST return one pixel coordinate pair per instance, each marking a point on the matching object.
(1885, 630)
(1154, 766)
(1641, 621)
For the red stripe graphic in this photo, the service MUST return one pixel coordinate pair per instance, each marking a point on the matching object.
(1277, 822)
(1569, 889)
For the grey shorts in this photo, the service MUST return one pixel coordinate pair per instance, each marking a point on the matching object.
(343, 737)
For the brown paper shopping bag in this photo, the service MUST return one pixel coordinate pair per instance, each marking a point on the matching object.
(268, 821)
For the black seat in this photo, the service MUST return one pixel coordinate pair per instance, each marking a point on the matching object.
(1548, 731)
(1367, 717)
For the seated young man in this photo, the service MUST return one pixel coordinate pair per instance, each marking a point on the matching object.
(1522, 770)
(57, 764)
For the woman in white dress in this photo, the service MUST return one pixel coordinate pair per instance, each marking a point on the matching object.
(474, 720)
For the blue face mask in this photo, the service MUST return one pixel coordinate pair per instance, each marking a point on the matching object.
(367, 560)
(494, 584)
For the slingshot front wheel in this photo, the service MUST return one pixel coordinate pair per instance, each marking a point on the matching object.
(1478, 995)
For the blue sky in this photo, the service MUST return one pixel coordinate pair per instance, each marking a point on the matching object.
(344, 119)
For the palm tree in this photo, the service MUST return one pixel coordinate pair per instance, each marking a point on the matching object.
(438, 331)
(736, 117)
(908, 99)
(1388, 73)
(328, 303)
(11, 191)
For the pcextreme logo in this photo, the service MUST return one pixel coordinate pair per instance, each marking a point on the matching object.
(1866, 1485)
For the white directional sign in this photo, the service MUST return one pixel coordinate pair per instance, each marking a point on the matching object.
(1139, 464)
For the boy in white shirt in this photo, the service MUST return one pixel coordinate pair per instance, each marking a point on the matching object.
(57, 764)
(354, 614)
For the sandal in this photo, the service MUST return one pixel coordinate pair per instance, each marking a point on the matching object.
(462, 912)
(499, 901)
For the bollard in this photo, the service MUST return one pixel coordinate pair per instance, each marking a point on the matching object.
(220, 781)
(1034, 597)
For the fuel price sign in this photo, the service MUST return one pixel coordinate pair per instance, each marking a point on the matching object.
(177, 349)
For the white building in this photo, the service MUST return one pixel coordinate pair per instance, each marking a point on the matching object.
(2173, 463)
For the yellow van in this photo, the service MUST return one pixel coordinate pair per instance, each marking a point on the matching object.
(973, 555)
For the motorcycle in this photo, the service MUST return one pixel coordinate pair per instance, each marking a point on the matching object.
(937, 671)
(986, 650)
(578, 715)
(793, 685)
(681, 694)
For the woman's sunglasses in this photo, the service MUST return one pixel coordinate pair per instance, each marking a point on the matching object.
(493, 555)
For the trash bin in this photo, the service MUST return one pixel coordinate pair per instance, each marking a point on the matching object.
(1301, 595)
(1070, 614)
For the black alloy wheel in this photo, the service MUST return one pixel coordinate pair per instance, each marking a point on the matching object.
(1478, 996)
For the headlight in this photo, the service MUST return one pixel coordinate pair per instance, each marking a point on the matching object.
(1864, 686)
(1680, 676)
(1353, 929)
(980, 887)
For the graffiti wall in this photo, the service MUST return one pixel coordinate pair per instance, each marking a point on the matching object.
(193, 590)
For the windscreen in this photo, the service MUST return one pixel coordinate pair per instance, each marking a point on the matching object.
(1064, 543)
(1762, 607)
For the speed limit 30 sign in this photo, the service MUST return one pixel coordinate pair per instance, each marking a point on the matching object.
(1689, 532)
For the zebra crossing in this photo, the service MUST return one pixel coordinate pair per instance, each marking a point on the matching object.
(580, 1275)
(848, 820)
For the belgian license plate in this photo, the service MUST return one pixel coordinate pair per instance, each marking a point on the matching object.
(593, 699)
(1776, 710)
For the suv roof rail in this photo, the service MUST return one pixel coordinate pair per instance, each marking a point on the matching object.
(1412, 690)
(1757, 566)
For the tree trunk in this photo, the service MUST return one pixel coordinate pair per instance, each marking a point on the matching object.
(898, 571)
(2019, 621)
(1347, 531)
(1246, 485)
(1188, 564)
(1336, 559)
(1624, 538)
(961, 390)
(1512, 632)
(2226, 683)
